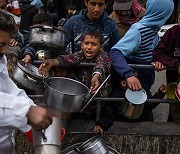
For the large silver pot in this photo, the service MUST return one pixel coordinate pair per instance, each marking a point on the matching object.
(94, 145)
(48, 141)
(48, 38)
(133, 104)
(64, 94)
(70, 150)
(28, 77)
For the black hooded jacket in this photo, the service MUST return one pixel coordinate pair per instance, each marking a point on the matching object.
(28, 11)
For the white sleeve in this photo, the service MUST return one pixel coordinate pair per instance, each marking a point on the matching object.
(13, 111)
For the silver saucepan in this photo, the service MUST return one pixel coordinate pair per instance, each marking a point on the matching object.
(133, 103)
(67, 95)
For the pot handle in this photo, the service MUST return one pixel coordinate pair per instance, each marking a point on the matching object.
(31, 79)
(30, 136)
(89, 99)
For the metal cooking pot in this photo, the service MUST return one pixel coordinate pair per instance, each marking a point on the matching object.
(68, 95)
(64, 94)
(28, 77)
(133, 104)
(48, 38)
(48, 141)
(94, 145)
(70, 149)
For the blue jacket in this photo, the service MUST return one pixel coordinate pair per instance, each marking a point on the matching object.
(77, 25)
(140, 40)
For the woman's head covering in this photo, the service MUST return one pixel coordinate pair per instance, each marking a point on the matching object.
(37, 3)
(122, 4)
(127, 5)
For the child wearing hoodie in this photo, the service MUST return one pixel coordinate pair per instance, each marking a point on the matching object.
(167, 52)
(91, 52)
(138, 43)
(94, 17)
(136, 48)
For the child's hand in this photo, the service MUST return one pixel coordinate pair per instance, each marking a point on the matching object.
(45, 67)
(95, 83)
(158, 66)
(163, 88)
(27, 59)
(134, 83)
(98, 130)
(13, 43)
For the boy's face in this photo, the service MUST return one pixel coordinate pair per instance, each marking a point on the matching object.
(95, 8)
(4, 42)
(179, 19)
(90, 46)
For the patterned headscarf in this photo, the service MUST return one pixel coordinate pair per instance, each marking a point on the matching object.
(136, 9)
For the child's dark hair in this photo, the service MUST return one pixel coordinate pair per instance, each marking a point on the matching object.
(7, 23)
(106, 1)
(42, 18)
(71, 7)
(94, 33)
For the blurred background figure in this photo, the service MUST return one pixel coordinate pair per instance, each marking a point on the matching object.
(53, 12)
(71, 10)
(28, 11)
(125, 13)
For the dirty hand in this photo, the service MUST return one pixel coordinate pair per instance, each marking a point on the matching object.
(134, 83)
(13, 43)
(46, 66)
(95, 83)
(158, 66)
(26, 59)
(39, 118)
(98, 130)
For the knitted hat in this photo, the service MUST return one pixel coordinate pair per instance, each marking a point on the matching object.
(122, 4)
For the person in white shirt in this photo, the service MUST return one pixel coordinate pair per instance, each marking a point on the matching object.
(17, 110)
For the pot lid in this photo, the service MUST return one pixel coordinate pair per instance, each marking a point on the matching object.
(29, 69)
(136, 97)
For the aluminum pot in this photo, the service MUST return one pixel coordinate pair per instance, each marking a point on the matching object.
(64, 94)
(48, 141)
(133, 104)
(48, 38)
(94, 145)
(28, 77)
(70, 149)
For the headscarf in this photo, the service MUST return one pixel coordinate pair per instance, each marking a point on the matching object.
(136, 9)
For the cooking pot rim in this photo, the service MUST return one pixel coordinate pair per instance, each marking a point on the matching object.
(45, 26)
(49, 78)
(26, 69)
(129, 95)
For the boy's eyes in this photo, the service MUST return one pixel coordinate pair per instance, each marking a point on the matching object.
(92, 43)
(94, 4)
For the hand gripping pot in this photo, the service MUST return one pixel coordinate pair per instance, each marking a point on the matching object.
(133, 104)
